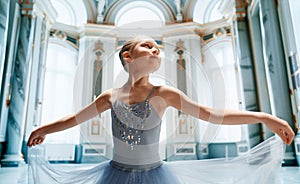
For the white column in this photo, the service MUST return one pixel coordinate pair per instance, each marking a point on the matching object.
(20, 91)
(6, 79)
(45, 16)
(23, 101)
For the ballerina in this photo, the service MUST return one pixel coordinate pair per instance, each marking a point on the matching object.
(137, 109)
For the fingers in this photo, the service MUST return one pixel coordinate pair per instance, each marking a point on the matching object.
(30, 141)
(287, 135)
(283, 138)
(290, 135)
(35, 140)
(290, 138)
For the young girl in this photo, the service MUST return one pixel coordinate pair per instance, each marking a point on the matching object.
(137, 109)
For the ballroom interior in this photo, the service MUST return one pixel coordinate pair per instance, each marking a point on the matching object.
(57, 56)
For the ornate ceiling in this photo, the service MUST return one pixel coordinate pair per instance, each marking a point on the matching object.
(79, 12)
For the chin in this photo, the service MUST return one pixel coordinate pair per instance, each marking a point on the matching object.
(155, 68)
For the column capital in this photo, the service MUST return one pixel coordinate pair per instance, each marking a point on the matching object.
(26, 7)
(241, 9)
(40, 8)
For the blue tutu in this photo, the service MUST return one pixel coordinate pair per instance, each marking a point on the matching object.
(261, 165)
(136, 160)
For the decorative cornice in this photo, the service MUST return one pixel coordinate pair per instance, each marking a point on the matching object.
(198, 28)
(98, 30)
(66, 33)
(181, 29)
(212, 26)
(70, 30)
(213, 29)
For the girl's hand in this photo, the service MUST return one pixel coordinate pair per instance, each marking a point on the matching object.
(281, 128)
(36, 137)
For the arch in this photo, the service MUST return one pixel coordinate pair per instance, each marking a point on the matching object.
(63, 43)
(221, 51)
(166, 10)
(188, 10)
(149, 12)
(67, 12)
(91, 11)
(209, 10)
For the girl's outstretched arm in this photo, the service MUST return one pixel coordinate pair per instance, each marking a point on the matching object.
(101, 103)
(180, 101)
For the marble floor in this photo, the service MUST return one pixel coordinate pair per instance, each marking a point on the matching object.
(19, 175)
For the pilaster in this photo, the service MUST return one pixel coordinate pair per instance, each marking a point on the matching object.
(95, 73)
(276, 67)
(183, 50)
(292, 64)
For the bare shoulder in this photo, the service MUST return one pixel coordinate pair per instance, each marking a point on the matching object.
(169, 94)
(167, 89)
(107, 94)
(105, 98)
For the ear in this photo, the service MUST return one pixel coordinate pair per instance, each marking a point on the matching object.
(127, 56)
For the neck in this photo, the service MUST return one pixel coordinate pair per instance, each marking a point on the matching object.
(137, 82)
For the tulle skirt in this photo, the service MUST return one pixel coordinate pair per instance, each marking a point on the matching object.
(260, 165)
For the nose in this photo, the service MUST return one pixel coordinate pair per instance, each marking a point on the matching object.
(155, 51)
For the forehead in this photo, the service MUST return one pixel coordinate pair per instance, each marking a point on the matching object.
(147, 40)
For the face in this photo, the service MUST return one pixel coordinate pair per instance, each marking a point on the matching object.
(146, 48)
(144, 55)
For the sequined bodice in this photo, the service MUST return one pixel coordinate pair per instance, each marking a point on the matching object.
(136, 130)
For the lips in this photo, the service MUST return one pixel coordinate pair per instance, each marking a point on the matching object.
(154, 57)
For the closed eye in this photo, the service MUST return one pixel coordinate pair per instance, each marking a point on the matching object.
(150, 45)
(147, 45)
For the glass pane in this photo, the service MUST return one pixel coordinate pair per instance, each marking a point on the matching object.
(58, 91)
(133, 14)
(295, 6)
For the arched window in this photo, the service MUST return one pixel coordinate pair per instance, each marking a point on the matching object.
(295, 19)
(211, 10)
(219, 57)
(138, 11)
(61, 64)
